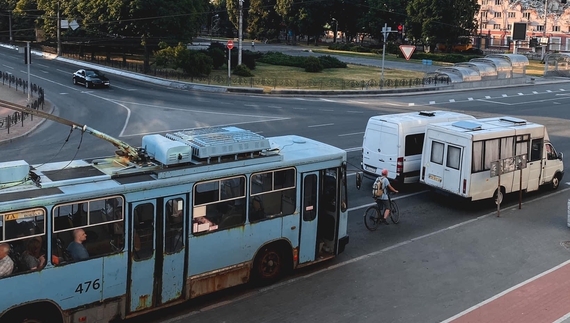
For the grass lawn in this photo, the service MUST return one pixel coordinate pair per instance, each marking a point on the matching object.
(332, 78)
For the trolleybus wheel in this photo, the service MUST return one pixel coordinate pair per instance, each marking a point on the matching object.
(268, 265)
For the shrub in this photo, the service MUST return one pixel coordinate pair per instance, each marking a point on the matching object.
(313, 65)
(196, 63)
(218, 57)
(242, 70)
(277, 58)
(331, 62)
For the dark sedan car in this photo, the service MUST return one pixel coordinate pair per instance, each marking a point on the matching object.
(90, 78)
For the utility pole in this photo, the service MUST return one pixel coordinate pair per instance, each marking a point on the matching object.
(10, 26)
(58, 32)
(240, 30)
(385, 31)
(543, 53)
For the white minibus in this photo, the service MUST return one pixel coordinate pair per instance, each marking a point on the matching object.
(394, 142)
(458, 157)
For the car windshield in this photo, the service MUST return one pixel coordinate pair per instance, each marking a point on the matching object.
(92, 73)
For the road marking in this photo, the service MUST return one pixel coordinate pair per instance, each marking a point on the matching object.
(548, 91)
(299, 108)
(350, 134)
(322, 125)
(328, 110)
(534, 92)
(251, 105)
(123, 88)
(411, 104)
(352, 111)
(451, 100)
(7, 66)
(487, 96)
(503, 103)
(504, 95)
(520, 93)
(274, 107)
(43, 65)
(358, 102)
(348, 150)
(562, 90)
(431, 102)
(63, 93)
(470, 99)
(327, 100)
(45, 72)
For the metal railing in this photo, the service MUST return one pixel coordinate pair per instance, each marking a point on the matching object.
(19, 84)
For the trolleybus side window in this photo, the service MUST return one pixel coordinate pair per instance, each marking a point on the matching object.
(24, 232)
(102, 220)
(272, 194)
(143, 241)
(218, 204)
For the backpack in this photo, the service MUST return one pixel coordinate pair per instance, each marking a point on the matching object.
(377, 188)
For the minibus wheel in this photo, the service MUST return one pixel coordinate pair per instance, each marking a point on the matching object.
(498, 196)
(555, 181)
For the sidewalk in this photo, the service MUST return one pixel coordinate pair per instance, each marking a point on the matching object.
(18, 130)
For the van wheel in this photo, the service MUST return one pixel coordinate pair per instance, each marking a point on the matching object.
(498, 196)
(555, 182)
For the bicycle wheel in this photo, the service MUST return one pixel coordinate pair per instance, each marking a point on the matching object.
(371, 218)
(394, 212)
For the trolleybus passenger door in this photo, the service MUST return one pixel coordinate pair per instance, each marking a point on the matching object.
(174, 233)
(142, 256)
(452, 173)
(309, 217)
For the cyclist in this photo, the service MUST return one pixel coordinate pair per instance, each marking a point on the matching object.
(383, 199)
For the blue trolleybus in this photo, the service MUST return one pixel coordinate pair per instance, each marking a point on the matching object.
(186, 214)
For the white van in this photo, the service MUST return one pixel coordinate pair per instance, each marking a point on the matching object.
(394, 142)
(469, 158)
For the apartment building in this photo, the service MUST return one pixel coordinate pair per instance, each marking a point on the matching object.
(496, 18)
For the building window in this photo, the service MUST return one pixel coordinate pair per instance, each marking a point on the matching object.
(526, 15)
(497, 15)
(512, 14)
(556, 28)
(484, 14)
(484, 26)
(498, 2)
(497, 26)
(509, 27)
(540, 28)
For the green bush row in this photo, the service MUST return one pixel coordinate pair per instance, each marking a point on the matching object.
(277, 58)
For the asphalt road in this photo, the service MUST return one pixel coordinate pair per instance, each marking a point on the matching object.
(444, 256)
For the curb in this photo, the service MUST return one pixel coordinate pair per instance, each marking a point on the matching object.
(29, 131)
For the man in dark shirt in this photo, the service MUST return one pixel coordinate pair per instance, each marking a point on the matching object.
(76, 248)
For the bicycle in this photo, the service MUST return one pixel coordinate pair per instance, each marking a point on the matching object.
(373, 216)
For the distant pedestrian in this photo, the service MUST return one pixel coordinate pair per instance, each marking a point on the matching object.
(252, 45)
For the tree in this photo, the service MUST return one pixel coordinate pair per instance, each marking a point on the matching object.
(442, 21)
(391, 12)
(263, 20)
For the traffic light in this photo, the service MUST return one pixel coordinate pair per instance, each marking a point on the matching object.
(27, 55)
(400, 28)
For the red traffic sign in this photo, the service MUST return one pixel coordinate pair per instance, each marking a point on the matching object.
(230, 44)
(407, 50)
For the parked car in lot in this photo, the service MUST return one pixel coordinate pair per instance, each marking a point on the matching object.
(90, 78)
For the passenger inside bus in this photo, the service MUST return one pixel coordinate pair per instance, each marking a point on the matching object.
(76, 248)
(6, 263)
(33, 258)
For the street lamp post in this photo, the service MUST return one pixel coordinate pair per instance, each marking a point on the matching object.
(212, 26)
(240, 30)
(335, 29)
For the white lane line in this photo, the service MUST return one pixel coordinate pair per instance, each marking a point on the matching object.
(63, 93)
(274, 107)
(451, 100)
(251, 105)
(351, 134)
(548, 91)
(487, 96)
(348, 150)
(411, 104)
(394, 104)
(503, 103)
(45, 72)
(122, 88)
(470, 99)
(352, 111)
(42, 65)
(504, 95)
(562, 90)
(299, 108)
(327, 110)
(358, 102)
(534, 92)
(327, 100)
(66, 72)
(431, 102)
(520, 93)
(322, 125)
(7, 66)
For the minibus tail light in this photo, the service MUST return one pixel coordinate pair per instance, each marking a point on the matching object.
(295, 255)
(400, 166)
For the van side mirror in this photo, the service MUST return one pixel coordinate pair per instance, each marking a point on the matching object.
(560, 156)
(358, 180)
